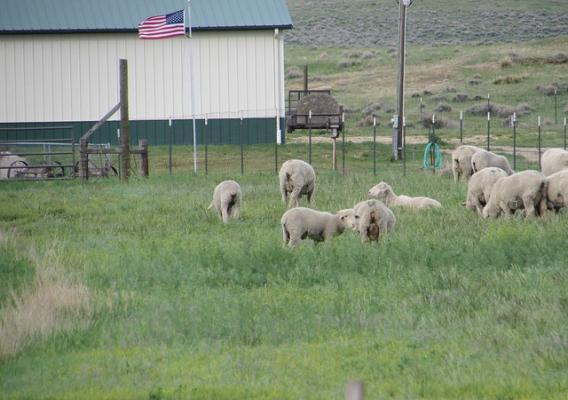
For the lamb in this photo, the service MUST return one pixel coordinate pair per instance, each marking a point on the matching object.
(523, 190)
(383, 192)
(479, 188)
(557, 190)
(348, 216)
(8, 159)
(485, 159)
(554, 160)
(373, 219)
(300, 223)
(461, 161)
(297, 178)
(227, 200)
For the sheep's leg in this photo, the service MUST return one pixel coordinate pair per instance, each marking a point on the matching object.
(455, 171)
(225, 213)
(310, 196)
(285, 235)
(506, 210)
(294, 240)
(295, 195)
(528, 202)
(236, 211)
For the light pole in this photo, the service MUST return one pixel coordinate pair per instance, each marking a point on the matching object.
(398, 125)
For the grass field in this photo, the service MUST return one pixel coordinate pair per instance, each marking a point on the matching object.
(358, 23)
(135, 291)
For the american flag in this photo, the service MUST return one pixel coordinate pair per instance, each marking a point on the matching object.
(162, 26)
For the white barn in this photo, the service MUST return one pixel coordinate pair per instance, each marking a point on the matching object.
(59, 66)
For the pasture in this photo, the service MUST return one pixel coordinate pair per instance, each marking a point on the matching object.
(157, 299)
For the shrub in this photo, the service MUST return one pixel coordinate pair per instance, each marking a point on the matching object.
(293, 73)
(461, 98)
(508, 80)
(440, 122)
(372, 108)
(474, 82)
(506, 62)
(443, 108)
(547, 90)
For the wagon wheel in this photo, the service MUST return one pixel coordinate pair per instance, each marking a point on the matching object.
(17, 168)
(93, 169)
(57, 170)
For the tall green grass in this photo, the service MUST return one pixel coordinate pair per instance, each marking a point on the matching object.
(447, 306)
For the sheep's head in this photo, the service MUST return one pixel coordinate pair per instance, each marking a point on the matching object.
(490, 212)
(347, 218)
(380, 191)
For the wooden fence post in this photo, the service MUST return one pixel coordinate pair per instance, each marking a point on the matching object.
(124, 133)
(144, 170)
(355, 391)
(84, 159)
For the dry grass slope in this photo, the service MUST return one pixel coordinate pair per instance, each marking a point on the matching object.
(53, 305)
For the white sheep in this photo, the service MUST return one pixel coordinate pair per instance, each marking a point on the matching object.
(479, 188)
(554, 160)
(297, 178)
(523, 190)
(227, 200)
(383, 192)
(373, 219)
(461, 161)
(7, 160)
(557, 190)
(485, 159)
(300, 223)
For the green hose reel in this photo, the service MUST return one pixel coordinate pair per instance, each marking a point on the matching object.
(437, 155)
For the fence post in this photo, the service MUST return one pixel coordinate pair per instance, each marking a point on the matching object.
(461, 127)
(539, 144)
(556, 106)
(170, 145)
(242, 147)
(206, 140)
(514, 141)
(564, 133)
(343, 143)
(310, 137)
(124, 133)
(84, 157)
(432, 155)
(276, 152)
(403, 145)
(374, 145)
(355, 391)
(488, 130)
(144, 168)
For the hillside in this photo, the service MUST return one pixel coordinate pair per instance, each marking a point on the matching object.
(375, 22)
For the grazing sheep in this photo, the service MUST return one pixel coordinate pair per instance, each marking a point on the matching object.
(297, 178)
(479, 188)
(523, 190)
(300, 223)
(554, 160)
(557, 190)
(227, 200)
(461, 161)
(6, 160)
(485, 159)
(373, 219)
(348, 216)
(383, 192)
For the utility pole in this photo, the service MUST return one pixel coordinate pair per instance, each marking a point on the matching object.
(398, 123)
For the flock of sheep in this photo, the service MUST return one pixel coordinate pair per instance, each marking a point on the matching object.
(494, 189)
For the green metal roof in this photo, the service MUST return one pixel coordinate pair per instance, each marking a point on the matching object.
(56, 16)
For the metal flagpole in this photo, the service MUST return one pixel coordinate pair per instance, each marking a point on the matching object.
(191, 88)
